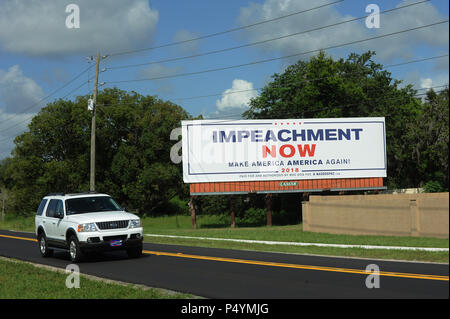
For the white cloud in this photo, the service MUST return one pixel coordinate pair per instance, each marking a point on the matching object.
(159, 70)
(37, 27)
(190, 47)
(401, 45)
(163, 86)
(17, 91)
(426, 83)
(442, 64)
(436, 81)
(241, 99)
(300, 43)
(17, 94)
(56, 75)
(11, 125)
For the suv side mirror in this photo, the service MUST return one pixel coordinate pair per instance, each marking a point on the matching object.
(59, 215)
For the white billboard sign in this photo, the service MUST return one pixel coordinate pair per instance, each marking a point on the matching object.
(287, 149)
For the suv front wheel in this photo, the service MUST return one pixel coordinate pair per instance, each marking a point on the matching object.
(75, 252)
(134, 252)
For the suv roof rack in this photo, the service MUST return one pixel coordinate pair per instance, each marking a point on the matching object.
(56, 194)
(83, 193)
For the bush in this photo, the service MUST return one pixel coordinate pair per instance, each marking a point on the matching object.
(179, 206)
(284, 217)
(433, 187)
(252, 217)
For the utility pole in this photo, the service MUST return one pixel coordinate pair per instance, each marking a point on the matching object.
(92, 174)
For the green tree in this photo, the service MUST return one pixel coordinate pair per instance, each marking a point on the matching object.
(132, 151)
(353, 87)
(428, 135)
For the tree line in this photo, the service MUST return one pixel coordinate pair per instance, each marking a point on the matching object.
(133, 136)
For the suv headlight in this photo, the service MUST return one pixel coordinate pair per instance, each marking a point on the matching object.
(87, 227)
(135, 223)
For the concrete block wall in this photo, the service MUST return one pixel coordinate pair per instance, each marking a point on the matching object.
(423, 214)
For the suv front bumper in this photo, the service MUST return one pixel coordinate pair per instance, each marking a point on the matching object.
(111, 240)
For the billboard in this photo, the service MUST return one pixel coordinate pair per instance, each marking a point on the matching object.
(284, 149)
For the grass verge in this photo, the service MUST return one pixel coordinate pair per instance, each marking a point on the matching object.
(18, 223)
(289, 233)
(23, 280)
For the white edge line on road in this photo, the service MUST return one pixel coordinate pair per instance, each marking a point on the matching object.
(304, 244)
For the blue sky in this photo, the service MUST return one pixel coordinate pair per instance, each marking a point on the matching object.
(39, 54)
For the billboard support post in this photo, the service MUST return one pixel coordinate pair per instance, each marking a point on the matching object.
(232, 209)
(269, 209)
(192, 211)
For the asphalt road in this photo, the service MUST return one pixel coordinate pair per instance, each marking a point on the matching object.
(234, 274)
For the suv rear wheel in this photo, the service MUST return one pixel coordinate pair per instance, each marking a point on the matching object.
(43, 245)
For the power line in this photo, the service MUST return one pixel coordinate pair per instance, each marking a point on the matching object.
(305, 80)
(233, 92)
(215, 94)
(258, 42)
(226, 31)
(280, 58)
(29, 118)
(298, 82)
(46, 97)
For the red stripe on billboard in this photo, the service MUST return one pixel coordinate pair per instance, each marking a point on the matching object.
(286, 186)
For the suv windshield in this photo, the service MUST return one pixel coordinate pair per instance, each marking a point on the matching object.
(92, 204)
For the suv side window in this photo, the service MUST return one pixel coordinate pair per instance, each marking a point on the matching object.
(59, 207)
(41, 207)
(51, 209)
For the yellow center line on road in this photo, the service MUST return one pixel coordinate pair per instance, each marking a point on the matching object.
(21, 238)
(275, 264)
(296, 266)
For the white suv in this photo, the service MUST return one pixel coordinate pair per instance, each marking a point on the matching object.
(86, 222)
